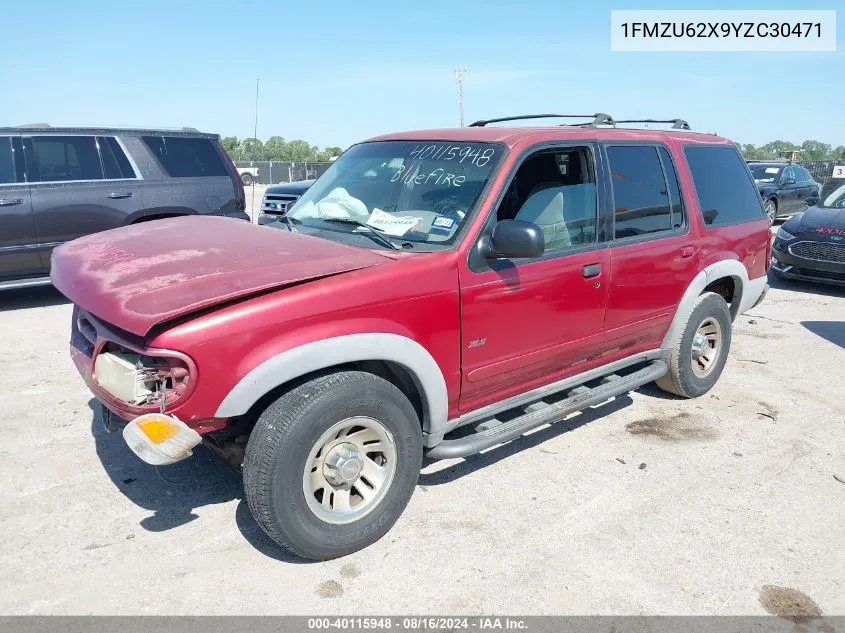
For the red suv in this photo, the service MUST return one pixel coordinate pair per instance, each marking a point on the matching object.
(434, 293)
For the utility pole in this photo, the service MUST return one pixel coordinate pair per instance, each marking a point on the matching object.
(255, 137)
(255, 129)
(460, 77)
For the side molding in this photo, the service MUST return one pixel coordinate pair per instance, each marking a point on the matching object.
(746, 294)
(318, 355)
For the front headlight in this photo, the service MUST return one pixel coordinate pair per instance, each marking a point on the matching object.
(784, 236)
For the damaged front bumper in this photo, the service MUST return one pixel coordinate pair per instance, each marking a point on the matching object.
(155, 438)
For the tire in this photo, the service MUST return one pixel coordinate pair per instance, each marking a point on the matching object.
(247, 179)
(771, 207)
(686, 376)
(291, 433)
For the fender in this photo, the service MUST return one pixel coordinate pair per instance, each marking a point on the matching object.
(746, 294)
(338, 350)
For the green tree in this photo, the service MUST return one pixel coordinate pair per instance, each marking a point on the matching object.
(230, 144)
(275, 148)
(750, 152)
(815, 150)
(251, 149)
(300, 151)
(839, 153)
(775, 148)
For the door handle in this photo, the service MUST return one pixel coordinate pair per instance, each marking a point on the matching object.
(593, 270)
(10, 202)
(687, 251)
(116, 195)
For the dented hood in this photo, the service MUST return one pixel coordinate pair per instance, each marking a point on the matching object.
(139, 276)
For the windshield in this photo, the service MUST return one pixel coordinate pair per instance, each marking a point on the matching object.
(410, 191)
(765, 173)
(835, 200)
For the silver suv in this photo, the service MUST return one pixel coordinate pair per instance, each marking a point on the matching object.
(57, 184)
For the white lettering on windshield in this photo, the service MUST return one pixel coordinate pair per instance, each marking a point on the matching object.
(437, 177)
(466, 154)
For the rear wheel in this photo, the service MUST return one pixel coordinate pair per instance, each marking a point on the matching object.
(699, 357)
(247, 179)
(332, 463)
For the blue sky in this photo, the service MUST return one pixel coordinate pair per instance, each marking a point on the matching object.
(334, 73)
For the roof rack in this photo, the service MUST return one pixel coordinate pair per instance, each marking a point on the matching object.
(597, 118)
(677, 124)
(47, 126)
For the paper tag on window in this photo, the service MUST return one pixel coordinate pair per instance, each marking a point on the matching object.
(442, 222)
(392, 224)
(772, 170)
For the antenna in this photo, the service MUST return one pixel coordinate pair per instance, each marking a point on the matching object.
(460, 78)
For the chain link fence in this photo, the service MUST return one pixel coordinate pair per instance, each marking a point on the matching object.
(822, 172)
(271, 172)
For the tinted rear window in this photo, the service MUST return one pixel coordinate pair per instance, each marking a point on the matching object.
(725, 193)
(183, 157)
(7, 165)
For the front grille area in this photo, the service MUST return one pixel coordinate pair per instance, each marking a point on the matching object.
(819, 251)
(278, 203)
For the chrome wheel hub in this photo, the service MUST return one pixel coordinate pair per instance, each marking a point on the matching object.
(349, 470)
(342, 465)
(706, 347)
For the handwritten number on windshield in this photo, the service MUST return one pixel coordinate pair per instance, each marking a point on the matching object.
(463, 154)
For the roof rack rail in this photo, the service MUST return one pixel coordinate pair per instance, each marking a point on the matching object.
(677, 124)
(27, 126)
(597, 118)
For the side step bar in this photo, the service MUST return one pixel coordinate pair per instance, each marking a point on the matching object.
(491, 433)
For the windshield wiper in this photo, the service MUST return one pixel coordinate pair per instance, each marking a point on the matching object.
(287, 221)
(377, 234)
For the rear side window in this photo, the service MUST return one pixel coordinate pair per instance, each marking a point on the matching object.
(183, 157)
(115, 163)
(725, 192)
(60, 158)
(7, 161)
(641, 201)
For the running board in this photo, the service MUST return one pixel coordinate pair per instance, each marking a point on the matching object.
(28, 282)
(492, 432)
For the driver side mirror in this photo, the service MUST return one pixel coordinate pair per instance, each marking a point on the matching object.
(513, 239)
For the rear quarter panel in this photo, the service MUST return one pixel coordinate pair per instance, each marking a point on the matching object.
(161, 194)
(746, 242)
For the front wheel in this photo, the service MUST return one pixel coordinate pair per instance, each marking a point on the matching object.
(247, 179)
(771, 207)
(332, 463)
(699, 357)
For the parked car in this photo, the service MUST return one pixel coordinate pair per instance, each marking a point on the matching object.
(784, 187)
(248, 175)
(433, 293)
(57, 184)
(810, 246)
(279, 198)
